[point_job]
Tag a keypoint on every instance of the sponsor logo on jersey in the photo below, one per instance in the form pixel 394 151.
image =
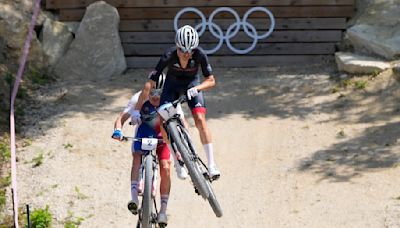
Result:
pixel 198 105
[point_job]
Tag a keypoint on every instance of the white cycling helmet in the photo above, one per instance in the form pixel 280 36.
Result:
pixel 187 38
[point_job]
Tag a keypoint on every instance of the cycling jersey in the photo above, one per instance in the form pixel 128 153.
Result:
pixel 179 79
pixel 150 128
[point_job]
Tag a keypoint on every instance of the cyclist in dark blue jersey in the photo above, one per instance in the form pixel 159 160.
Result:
pixel 183 63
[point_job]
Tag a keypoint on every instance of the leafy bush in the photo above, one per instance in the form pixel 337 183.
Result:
pixel 41 218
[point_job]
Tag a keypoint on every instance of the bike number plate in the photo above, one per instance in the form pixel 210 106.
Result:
pixel 149 143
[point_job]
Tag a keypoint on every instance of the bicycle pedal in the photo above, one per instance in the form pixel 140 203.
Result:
pixel 216 177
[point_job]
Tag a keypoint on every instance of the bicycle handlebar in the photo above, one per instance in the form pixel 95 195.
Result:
pixel 128 138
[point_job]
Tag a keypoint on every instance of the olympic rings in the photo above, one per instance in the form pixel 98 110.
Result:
pixel 232 30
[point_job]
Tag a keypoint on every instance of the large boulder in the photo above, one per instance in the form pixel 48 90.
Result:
pixel 55 38
pixel 377 29
pixel 15 17
pixel 96 49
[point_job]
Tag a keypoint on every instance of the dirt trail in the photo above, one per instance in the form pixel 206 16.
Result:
pixel 292 154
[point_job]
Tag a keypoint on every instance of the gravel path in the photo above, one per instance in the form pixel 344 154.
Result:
pixel 291 152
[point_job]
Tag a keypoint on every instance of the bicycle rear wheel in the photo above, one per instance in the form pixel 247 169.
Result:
pixel 147 201
pixel 178 137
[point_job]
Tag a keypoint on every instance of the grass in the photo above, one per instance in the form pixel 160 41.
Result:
pixel 360 84
pixel 68 145
pixel 5 151
pixel 38 160
pixel 71 221
pixel 38 77
pixel 41 218
pixel 80 195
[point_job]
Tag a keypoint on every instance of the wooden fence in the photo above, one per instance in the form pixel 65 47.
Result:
pixel 305 30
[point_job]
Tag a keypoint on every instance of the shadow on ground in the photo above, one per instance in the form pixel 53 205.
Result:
pixel 377 148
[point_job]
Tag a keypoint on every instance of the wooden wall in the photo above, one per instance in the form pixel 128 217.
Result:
pixel 305 30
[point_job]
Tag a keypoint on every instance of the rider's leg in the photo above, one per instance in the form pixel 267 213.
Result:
pixel 165 183
pixel 133 203
pixel 199 116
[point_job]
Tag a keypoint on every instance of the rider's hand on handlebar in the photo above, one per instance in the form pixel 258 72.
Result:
pixel 135 114
pixel 117 134
pixel 192 92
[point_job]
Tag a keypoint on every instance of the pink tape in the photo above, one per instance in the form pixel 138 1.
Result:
pixel 12 123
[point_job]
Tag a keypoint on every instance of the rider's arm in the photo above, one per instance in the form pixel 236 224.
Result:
pixel 209 80
pixel 145 94
pixel 119 122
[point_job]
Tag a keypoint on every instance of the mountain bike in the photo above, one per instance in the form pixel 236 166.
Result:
pixel 148 170
pixel 181 142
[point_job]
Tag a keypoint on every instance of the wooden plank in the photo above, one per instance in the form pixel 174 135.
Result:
pixel 276 36
pixel 280 23
pixel 240 61
pixel 72 4
pixel 261 49
pixel 169 13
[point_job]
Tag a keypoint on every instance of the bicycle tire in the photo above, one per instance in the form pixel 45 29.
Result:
pixel 147 201
pixel 194 173
pixel 212 200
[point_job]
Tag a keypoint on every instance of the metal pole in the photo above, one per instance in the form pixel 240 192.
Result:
pixel 28 216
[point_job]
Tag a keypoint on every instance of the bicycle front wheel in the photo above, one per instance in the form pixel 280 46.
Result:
pixel 178 137
pixel 148 182
pixel 212 199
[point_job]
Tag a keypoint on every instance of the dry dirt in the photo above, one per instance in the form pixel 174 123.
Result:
pixel 291 152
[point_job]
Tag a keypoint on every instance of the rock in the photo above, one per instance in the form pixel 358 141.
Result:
pixel 357 64
pixel 396 69
pixel 379 40
pixel 55 38
pixel 73 26
pixel 97 48
pixel 13 32
pixel 377 28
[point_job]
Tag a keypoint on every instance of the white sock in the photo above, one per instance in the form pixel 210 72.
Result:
pixel 164 203
pixel 208 148
pixel 134 193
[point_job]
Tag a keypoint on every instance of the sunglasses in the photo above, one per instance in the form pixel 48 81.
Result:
pixel 155 92
pixel 184 50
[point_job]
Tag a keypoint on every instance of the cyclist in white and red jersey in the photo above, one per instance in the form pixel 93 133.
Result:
pixel 183 62
pixel 148 125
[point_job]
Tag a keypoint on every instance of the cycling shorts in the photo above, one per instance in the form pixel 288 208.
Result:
pixel 173 88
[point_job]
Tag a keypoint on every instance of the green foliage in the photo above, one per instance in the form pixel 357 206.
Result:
pixel 346 82
pixel 6 181
pixel 360 84
pixel 38 77
pixel 68 145
pixel 38 160
pixel 2 198
pixel 71 222
pixel 335 89
pixel 5 152
pixel 10 78
pixel 80 195
pixel 41 218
